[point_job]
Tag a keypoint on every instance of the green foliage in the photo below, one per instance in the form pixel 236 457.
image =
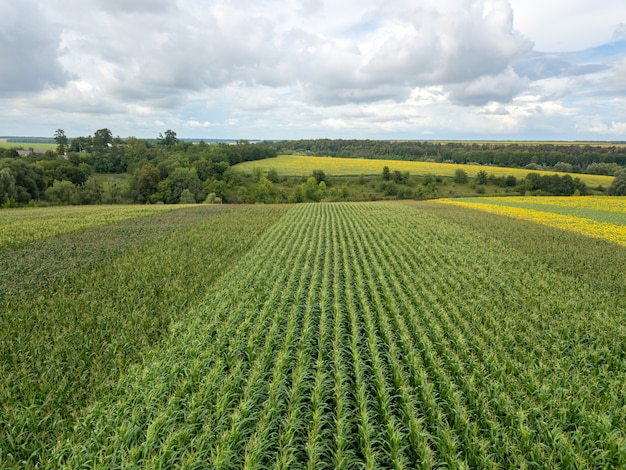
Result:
pixel 62 193
pixel 91 192
pixel 212 199
pixel 460 176
pixel 148 178
pixel 30 179
pixel 319 176
pixel 61 139
pixel 168 140
pixel 265 192
pixel 272 175
pixel 554 185
pixel 618 186
pixel 386 173
pixel 482 177
pixel 186 197
pixel 8 190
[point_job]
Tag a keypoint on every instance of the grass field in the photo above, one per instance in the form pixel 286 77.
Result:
pixel 296 165
pixel 27 145
pixel 376 335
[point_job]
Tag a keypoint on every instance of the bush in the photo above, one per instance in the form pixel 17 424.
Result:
pixel 618 186
pixel 63 193
pixel 460 176
pixel 186 197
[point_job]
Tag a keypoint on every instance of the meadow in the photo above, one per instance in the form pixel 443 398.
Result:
pixel 27 145
pixel 332 335
pixel 288 165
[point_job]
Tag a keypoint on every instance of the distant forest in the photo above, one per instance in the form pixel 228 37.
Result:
pixel 100 168
pixel 575 158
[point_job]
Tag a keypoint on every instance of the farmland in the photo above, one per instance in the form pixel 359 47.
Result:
pixel 346 335
pixel 303 166
pixel 601 217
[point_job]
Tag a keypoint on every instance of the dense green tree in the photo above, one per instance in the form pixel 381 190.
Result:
pixel 264 191
pixel 186 197
pixel 102 139
pixel 319 176
pixel 63 193
pixel 69 172
pixel 61 140
pixel 272 175
pixel 460 176
pixel 179 180
pixel 482 177
pixel 148 178
pixel 169 140
pixel 91 192
pixel 618 186
pixel 8 190
pixel 386 173
pixel 30 179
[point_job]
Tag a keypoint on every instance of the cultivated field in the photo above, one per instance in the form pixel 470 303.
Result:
pixel 600 217
pixel 347 335
pixel 290 165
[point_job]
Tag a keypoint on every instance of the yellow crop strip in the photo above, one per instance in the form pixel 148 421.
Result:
pixel 610 204
pixel 588 227
pixel 299 165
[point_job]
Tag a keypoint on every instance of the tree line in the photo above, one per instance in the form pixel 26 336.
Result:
pixel 572 158
pixel 164 169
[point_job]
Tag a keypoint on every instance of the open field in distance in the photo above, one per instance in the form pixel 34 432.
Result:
pixel 296 165
pixel 27 145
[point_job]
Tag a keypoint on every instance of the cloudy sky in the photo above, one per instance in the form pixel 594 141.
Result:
pixel 291 69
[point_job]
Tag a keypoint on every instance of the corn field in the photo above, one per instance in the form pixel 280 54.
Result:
pixel 367 335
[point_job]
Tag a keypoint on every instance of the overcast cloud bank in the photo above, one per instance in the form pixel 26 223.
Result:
pixel 309 68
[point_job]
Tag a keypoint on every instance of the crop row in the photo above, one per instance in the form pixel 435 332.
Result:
pixel 376 336
pixel 64 342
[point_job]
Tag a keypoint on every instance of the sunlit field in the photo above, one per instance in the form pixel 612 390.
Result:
pixel 296 165
pixel 600 217
pixel 19 227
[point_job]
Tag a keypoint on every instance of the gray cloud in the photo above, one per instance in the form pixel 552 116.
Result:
pixel 500 88
pixel 29 49
pixel 143 6
pixel 538 65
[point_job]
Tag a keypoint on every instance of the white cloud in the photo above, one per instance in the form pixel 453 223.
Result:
pixel 311 67
pixel 197 124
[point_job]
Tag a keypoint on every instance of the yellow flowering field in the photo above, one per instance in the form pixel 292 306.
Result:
pixel 299 165
pixel 19 227
pixel 549 211
pixel 604 203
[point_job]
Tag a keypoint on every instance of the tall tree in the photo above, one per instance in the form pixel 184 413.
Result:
pixel 61 140
pixel 102 138
pixel 169 140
